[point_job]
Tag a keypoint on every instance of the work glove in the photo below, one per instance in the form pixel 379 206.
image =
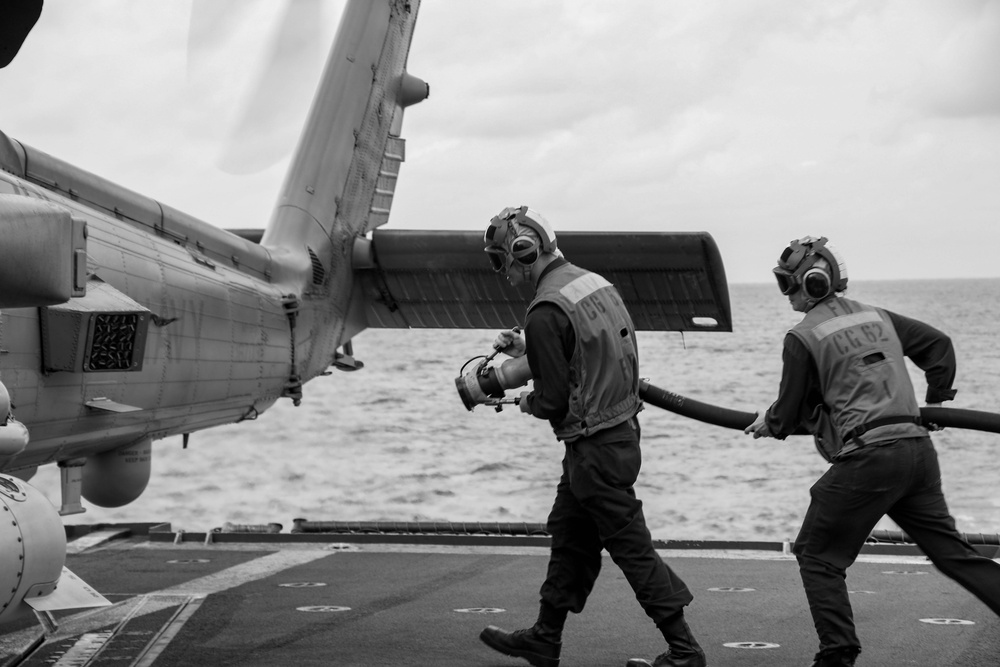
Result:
pixel 510 342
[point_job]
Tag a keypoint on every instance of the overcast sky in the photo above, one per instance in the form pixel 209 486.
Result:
pixel 873 122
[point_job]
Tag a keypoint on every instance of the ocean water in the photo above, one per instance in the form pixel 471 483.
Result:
pixel 393 442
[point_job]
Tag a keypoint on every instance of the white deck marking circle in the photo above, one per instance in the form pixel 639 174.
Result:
pixel 752 645
pixel 237 575
pixel 302 584
pixel 947 621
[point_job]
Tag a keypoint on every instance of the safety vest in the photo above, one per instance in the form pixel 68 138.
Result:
pixel 604 368
pixel 862 372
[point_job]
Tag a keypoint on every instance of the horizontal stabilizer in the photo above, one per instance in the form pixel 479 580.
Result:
pixel 442 279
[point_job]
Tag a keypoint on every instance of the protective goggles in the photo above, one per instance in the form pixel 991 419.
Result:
pixel 524 249
pixel 788 284
pixel 499 259
pixel 790 265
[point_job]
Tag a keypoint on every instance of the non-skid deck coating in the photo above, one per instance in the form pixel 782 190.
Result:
pixel 372 604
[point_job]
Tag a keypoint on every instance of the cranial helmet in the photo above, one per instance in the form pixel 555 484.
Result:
pixel 518 235
pixel 812 265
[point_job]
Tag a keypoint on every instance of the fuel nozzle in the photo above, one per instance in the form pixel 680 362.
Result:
pixel 486 384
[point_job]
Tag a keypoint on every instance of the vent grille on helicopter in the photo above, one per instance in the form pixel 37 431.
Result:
pixel 113 343
pixel 104 331
pixel 319 273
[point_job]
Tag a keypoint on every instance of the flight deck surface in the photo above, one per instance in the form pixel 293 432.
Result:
pixel 399 600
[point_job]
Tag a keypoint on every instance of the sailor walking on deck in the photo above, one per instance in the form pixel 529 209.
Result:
pixel 584 363
pixel 845 379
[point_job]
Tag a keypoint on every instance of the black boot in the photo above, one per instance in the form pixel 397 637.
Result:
pixel 836 657
pixel 538 645
pixel 684 649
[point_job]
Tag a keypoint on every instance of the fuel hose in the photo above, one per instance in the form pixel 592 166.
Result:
pixel 976 420
pixel 688 407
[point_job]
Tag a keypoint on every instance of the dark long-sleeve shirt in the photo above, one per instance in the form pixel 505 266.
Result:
pixel 800 390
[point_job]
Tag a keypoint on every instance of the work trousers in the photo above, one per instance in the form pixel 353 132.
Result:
pixel 899 478
pixel 596 508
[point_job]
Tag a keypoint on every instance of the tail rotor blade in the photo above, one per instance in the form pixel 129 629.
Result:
pixel 267 128
pixel 253 66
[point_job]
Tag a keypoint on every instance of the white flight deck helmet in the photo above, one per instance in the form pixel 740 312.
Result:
pixel 812 265
pixel 518 235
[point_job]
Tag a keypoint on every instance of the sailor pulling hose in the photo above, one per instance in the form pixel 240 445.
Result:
pixel 844 379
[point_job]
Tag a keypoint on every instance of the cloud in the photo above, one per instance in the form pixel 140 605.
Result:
pixel 943 60
pixel 572 61
pixel 961 75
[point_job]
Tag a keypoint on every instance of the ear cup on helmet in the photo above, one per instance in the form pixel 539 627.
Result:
pixel 813 265
pixel 525 250
pixel 816 283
